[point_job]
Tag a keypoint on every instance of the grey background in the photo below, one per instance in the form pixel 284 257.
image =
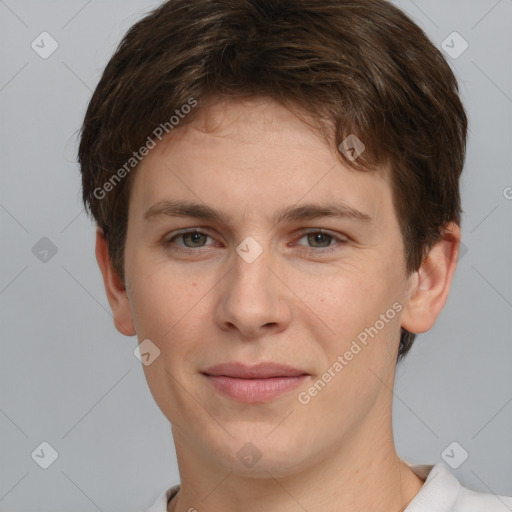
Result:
pixel 70 379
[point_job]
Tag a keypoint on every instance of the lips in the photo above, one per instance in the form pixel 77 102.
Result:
pixel 254 384
pixel 259 371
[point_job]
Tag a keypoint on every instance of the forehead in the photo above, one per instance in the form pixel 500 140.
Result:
pixel 248 156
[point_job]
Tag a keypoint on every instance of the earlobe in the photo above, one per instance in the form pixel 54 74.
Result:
pixel 431 283
pixel 114 287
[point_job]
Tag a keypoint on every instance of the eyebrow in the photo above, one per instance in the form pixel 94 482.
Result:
pixel 339 210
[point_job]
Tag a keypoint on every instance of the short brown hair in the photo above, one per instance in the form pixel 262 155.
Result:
pixel 362 65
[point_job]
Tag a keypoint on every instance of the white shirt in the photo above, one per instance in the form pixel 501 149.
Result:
pixel 441 492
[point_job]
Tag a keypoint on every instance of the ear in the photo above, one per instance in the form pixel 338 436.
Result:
pixel 114 286
pixel 430 284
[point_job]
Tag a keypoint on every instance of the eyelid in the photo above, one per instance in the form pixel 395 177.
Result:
pixel 338 236
pixel 340 239
pixel 167 240
pixel 305 231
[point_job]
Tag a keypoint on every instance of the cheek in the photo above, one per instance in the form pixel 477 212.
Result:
pixel 348 306
pixel 342 298
pixel 160 300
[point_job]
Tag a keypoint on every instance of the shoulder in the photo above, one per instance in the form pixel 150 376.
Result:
pixel 442 492
pixel 471 501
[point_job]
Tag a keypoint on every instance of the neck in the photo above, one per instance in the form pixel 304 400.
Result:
pixel 357 475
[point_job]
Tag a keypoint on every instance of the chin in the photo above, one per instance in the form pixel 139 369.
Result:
pixel 259 456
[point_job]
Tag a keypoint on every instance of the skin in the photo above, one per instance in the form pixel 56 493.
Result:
pixel 295 304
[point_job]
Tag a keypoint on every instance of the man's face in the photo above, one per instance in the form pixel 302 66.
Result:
pixel 308 300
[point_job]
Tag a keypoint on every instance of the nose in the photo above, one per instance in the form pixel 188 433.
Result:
pixel 253 297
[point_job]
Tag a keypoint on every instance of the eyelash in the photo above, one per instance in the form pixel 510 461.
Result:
pixel 323 250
